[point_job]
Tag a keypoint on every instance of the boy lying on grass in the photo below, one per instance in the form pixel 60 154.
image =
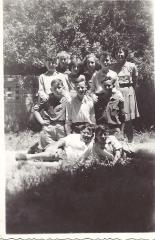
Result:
pixel 69 148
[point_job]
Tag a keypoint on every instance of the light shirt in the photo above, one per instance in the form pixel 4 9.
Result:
pixel 99 76
pixel 80 111
pixel 74 146
pixel 45 83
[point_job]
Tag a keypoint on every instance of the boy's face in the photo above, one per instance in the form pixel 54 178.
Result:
pixel 86 135
pixel 108 85
pixel 51 65
pixel 81 89
pixel 101 139
pixel 91 63
pixel 57 89
pixel 105 61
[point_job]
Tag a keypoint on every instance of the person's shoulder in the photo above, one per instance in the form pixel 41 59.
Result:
pixel 73 137
pixel 111 73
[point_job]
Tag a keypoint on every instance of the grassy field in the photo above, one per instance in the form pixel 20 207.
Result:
pixel 46 198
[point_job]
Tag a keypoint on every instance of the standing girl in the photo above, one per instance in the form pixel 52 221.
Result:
pixel 127 76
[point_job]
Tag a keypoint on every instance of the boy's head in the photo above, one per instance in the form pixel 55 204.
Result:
pixel 57 87
pixel 105 59
pixel 109 83
pixel 51 64
pixel 80 86
pixel 63 59
pixel 87 133
pixel 101 134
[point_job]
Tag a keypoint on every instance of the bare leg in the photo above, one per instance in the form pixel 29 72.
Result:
pixel 43 156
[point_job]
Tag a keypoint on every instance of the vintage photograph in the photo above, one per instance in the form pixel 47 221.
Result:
pixel 79 116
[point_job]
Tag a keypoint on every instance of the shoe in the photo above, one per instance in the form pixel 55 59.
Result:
pixel 20 156
pixel 35 149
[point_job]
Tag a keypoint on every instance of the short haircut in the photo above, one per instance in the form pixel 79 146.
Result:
pixel 90 127
pixel 101 129
pixel 80 78
pixel 110 79
pixel 56 82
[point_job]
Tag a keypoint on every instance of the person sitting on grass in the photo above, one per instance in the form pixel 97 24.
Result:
pixel 106 149
pixel 50 113
pixel 69 148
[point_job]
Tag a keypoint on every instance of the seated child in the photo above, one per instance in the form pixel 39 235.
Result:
pixel 53 110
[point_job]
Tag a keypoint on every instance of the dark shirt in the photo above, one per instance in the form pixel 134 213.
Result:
pixel 53 108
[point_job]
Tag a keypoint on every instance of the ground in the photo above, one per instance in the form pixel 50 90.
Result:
pixel 42 198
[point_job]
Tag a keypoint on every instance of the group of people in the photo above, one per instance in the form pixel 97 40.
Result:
pixel 85 107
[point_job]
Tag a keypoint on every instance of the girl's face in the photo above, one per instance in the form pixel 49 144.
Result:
pixel 81 89
pixel 91 64
pixel 120 56
pixel 86 135
pixel 51 66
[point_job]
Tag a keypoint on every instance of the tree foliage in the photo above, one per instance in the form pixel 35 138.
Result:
pixel 37 28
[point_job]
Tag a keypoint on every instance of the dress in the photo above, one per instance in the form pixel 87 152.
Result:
pixel 125 78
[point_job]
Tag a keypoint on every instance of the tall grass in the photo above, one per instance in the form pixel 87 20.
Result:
pixel 99 199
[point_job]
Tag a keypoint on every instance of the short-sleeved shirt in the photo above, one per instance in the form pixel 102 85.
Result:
pixel 108 107
pixel 53 108
pixel 45 83
pixel 98 76
pixel 80 111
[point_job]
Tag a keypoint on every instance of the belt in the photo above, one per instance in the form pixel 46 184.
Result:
pixel 125 85
pixel 61 122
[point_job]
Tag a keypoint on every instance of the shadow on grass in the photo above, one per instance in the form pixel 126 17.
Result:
pixel 101 199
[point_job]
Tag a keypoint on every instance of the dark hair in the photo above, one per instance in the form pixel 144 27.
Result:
pixel 116 50
pixel 104 54
pixel 101 129
pixel 51 59
pixel 75 62
pixel 90 127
